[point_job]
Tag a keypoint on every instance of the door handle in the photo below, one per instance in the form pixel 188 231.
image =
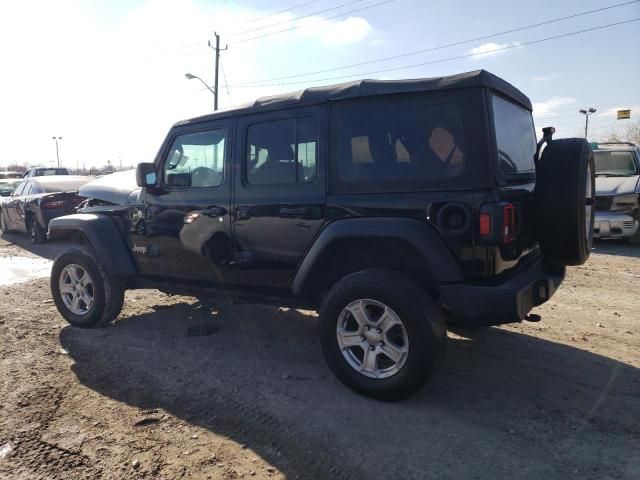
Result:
pixel 294 211
pixel 214 211
pixel 242 213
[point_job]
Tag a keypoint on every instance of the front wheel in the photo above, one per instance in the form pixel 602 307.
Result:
pixel 381 334
pixel 84 293
pixel 3 224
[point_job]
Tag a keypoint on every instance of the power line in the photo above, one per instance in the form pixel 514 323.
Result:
pixel 441 60
pixel 440 47
pixel 295 27
pixel 257 19
pixel 297 18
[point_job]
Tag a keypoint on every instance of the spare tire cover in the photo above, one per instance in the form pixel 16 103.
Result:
pixel 564 201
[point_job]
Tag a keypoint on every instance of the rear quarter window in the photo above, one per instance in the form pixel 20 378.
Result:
pixel 407 142
pixel 515 137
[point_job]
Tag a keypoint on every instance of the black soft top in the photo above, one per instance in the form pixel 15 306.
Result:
pixel 364 88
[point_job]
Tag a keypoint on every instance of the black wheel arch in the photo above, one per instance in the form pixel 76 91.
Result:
pixel 104 236
pixel 376 242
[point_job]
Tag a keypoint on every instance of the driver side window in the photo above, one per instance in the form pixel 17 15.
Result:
pixel 196 160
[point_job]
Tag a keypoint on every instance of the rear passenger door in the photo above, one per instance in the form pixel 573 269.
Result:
pixel 279 201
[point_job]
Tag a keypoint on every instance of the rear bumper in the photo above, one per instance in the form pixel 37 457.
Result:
pixel 614 225
pixel 506 302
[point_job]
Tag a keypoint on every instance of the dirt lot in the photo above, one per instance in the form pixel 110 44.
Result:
pixel 178 389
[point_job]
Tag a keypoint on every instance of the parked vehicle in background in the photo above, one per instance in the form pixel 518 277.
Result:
pixel 8 175
pixel 617 191
pixel 45 171
pixel 8 185
pixel 391 207
pixel 36 201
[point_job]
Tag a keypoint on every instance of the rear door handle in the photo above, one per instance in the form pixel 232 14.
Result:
pixel 214 211
pixel 292 211
pixel 242 213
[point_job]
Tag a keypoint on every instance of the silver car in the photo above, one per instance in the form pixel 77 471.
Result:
pixel 617 191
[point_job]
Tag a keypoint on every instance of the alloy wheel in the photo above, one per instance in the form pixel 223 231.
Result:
pixel 76 289
pixel 372 338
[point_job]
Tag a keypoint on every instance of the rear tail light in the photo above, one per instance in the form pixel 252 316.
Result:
pixel 53 204
pixel 498 223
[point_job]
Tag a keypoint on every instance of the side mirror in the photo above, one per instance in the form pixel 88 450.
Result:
pixel 146 175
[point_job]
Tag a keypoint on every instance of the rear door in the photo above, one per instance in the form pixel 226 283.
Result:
pixel 280 193
pixel 21 207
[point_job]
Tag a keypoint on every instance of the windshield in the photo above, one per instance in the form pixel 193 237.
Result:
pixel 614 164
pixel 8 186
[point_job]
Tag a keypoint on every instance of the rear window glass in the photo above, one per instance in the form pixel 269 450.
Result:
pixel 614 163
pixel 42 172
pixel 397 146
pixel 515 136
pixel 67 186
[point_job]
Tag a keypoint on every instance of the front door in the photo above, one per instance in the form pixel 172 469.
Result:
pixel 279 203
pixel 187 215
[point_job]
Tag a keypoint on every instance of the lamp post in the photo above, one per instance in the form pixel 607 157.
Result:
pixel 586 114
pixel 57 151
pixel 191 77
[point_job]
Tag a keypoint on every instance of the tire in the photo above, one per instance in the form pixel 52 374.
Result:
pixel 421 335
pixel 3 224
pixel 106 292
pixel 564 202
pixel 36 232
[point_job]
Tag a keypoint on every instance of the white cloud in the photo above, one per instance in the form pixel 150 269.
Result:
pixel 492 48
pixel 112 85
pixel 351 30
pixel 545 78
pixel 613 112
pixel 551 105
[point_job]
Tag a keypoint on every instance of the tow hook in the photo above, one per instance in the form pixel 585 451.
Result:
pixel 532 317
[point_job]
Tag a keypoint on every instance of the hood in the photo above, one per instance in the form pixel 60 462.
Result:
pixel 115 188
pixel 617 185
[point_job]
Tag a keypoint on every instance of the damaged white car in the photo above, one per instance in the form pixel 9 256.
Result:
pixel 617 191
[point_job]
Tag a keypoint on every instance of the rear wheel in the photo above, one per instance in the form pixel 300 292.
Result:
pixel 381 334
pixel 564 201
pixel 85 294
pixel 36 232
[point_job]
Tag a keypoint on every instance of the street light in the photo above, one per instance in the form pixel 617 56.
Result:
pixel 191 77
pixel 57 151
pixel 586 114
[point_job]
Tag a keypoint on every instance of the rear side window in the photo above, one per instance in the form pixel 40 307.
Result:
pixel 398 143
pixel 282 152
pixel 515 136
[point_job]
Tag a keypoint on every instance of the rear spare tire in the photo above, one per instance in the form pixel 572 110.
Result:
pixel 564 201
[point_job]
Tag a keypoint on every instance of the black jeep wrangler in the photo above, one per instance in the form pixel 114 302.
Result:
pixel 393 208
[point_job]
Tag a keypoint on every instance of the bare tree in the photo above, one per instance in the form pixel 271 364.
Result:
pixel 628 133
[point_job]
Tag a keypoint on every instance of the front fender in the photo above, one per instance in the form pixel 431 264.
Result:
pixel 103 235
pixel 422 236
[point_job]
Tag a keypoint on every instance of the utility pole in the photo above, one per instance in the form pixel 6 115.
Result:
pixel 586 113
pixel 217 64
pixel 57 151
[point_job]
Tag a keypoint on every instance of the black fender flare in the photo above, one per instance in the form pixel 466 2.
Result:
pixel 423 237
pixel 103 235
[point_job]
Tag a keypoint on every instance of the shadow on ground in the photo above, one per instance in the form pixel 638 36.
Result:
pixel 48 250
pixel 504 402
pixel 616 247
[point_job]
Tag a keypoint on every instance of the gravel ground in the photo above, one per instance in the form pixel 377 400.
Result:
pixel 175 388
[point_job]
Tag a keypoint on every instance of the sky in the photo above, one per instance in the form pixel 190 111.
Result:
pixel 109 76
